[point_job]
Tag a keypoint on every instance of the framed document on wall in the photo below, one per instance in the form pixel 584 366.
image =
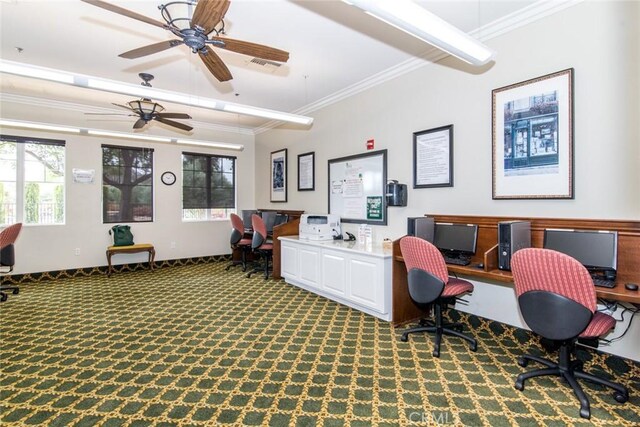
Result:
pixel 306 172
pixel 433 158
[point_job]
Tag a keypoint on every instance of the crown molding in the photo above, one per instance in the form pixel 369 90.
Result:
pixel 508 23
pixel 83 108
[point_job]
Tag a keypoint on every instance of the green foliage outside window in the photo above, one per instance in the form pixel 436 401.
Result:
pixel 31 201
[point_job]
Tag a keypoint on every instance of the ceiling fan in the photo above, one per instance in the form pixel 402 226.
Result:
pixel 147 110
pixel 203 28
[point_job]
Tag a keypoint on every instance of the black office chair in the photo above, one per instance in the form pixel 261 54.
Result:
pixel 239 242
pixel 557 300
pixel 430 285
pixel 261 246
pixel 8 237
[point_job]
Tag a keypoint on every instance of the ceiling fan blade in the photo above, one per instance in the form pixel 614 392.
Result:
pixel 174 115
pixel 174 124
pixel 122 106
pixel 215 64
pixel 208 13
pixel 152 48
pixel 252 49
pixel 107 114
pixel 139 124
pixel 125 12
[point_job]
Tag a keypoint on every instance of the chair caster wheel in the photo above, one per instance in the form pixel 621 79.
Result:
pixel 523 362
pixel 16 291
pixel 3 297
pixel 585 413
pixel 519 385
pixel 621 397
pixel 436 353
pixel 404 338
pixel 474 346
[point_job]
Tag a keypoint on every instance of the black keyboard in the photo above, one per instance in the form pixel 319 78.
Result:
pixel 603 283
pixel 457 261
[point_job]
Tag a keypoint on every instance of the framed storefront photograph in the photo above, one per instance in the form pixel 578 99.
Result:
pixel 433 157
pixel 306 172
pixel 279 176
pixel 532 127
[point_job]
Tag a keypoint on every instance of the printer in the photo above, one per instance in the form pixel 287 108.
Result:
pixel 319 226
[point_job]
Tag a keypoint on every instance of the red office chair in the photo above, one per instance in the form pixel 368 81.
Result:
pixel 261 246
pixel 557 300
pixel 8 237
pixel 430 284
pixel 238 241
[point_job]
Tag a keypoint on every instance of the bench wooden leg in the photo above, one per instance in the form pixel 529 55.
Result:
pixel 109 268
pixel 152 257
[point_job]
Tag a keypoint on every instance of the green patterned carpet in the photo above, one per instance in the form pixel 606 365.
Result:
pixel 196 345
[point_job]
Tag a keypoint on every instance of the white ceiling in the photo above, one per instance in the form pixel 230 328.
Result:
pixel 332 46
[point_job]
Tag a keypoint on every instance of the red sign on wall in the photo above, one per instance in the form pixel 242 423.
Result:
pixel 370 144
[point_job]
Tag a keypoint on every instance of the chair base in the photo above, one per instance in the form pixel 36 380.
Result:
pixel 3 294
pixel 440 329
pixel 264 267
pixel 570 371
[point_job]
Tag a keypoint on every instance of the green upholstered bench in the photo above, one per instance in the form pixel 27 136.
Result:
pixel 131 249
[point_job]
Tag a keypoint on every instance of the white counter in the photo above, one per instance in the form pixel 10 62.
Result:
pixel 347 272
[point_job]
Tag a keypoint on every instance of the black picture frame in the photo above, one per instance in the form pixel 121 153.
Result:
pixel 433 157
pixel 307 171
pixel 279 180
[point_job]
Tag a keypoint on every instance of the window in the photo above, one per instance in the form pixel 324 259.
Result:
pixel 127 184
pixel 208 186
pixel 31 180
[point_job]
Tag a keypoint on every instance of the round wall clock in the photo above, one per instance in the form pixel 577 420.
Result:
pixel 168 178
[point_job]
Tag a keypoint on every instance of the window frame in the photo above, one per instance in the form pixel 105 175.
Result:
pixel 226 211
pixel 21 181
pixel 105 219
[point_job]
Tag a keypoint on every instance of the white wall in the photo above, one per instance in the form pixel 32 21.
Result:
pixel 51 247
pixel 600 40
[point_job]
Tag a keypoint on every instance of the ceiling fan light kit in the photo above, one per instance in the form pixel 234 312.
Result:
pixel 422 24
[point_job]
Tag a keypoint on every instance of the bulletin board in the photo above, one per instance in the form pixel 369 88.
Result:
pixel 357 188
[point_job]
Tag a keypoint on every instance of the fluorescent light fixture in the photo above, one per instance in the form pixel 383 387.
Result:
pixel 128 135
pixel 90 82
pixel 124 135
pixel 269 114
pixel 224 145
pixel 38 126
pixel 422 24
pixel 35 72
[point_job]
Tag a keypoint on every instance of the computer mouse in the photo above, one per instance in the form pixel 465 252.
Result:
pixel 631 286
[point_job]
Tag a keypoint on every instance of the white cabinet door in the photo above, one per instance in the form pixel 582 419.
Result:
pixel 334 273
pixel 366 279
pixel 289 261
pixel 309 266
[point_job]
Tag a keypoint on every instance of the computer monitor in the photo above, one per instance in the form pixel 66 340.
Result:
pixel 456 239
pixel 596 250
pixel 246 218
pixel 269 218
